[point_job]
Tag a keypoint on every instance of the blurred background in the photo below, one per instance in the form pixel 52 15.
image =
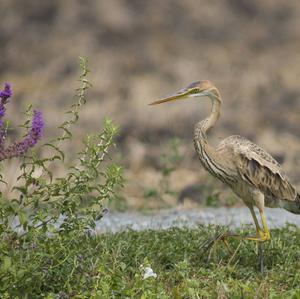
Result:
pixel 139 51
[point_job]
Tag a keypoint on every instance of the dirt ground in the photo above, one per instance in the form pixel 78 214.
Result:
pixel 141 50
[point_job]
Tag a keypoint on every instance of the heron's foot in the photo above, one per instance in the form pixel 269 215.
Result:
pixel 261 236
pixel 223 237
pixel 230 235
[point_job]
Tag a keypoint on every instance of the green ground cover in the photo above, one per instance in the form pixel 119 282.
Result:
pixel 78 265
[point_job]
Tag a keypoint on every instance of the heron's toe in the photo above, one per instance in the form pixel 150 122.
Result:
pixel 261 236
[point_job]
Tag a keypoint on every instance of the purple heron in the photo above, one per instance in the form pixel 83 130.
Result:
pixel 253 174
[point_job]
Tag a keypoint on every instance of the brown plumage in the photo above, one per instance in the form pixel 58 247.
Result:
pixel 253 174
pixel 259 169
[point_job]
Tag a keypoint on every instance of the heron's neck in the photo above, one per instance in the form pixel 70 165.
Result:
pixel 208 155
pixel 205 125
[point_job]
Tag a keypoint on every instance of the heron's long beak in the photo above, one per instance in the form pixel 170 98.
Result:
pixel 173 97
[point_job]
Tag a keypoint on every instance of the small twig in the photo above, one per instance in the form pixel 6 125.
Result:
pixel 38 226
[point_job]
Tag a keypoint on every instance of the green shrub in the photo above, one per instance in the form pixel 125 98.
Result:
pixel 45 211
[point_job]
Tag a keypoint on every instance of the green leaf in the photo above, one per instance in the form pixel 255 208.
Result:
pixel 62 155
pixel 23 218
pixel 6 264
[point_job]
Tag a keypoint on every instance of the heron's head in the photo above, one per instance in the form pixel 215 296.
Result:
pixel 196 89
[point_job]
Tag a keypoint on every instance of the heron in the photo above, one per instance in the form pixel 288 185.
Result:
pixel 250 171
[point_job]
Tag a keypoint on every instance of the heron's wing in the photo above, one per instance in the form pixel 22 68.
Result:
pixel 258 168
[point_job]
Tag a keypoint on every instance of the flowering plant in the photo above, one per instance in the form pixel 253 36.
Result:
pixel 42 208
pixel 21 147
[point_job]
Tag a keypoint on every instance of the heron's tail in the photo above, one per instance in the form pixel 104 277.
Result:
pixel 293 206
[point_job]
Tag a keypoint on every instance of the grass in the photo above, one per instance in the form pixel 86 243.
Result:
pixel 110 266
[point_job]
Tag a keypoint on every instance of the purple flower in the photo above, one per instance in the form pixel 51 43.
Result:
pixel 2 110
pixel 37 128
pixel 20 148
pixel 6 93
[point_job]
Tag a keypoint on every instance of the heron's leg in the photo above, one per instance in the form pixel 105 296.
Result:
pixel 262 234
pixel 258 229
pixel 259 234
pixel 267 234
pixel 210 244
